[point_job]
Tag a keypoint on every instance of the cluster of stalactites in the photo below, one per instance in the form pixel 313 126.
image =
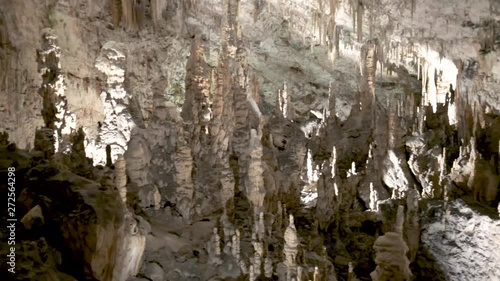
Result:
pixel 157 8
pixel 133 12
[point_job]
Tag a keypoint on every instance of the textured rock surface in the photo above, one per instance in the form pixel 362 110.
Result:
pixel 459 237
pixel 261 140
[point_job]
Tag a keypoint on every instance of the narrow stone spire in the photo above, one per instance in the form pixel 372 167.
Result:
pixel 268 267
pixel 373 198
pixel 291 244
pixel 400 219
pixel 316 274
pixel 121 177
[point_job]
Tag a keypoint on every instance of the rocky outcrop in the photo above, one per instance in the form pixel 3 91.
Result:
pixel 460 238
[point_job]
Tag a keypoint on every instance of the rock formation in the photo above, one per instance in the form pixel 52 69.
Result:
pixel 229 140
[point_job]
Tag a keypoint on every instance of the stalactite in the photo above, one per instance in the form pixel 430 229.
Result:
pixel 129 15
pixel 116 12
pixel 321 30
pixel 431 88
pixel 413 7
pixel 369 57
pixel 360 14
pixel 392 123
pixel 353 13
pixel 421 110
pixel 371 23
pixel 257 9
pixel 157 8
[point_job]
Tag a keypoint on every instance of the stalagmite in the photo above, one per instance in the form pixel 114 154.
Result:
pixel 299 273
pixel 400 219
pixel 316 274
pixel 197 94
pixel 215 247
pixel 392 123
pixel 116 128
pixel 282 102
pixel 370 151
pixel 418 68
pixel 262 228
pixel 279 215
pixel 255 187
pixel 257 257
pixel 121 178
pixel 236 245
pixel 352 171
pixel 268 267
pixel 351 276
pixel 291 244
pixel 373 198
pixel 332 102
pixel 55 113
pixel 391 251
pixel 251 273
pixel 442 167
pixel 334 162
